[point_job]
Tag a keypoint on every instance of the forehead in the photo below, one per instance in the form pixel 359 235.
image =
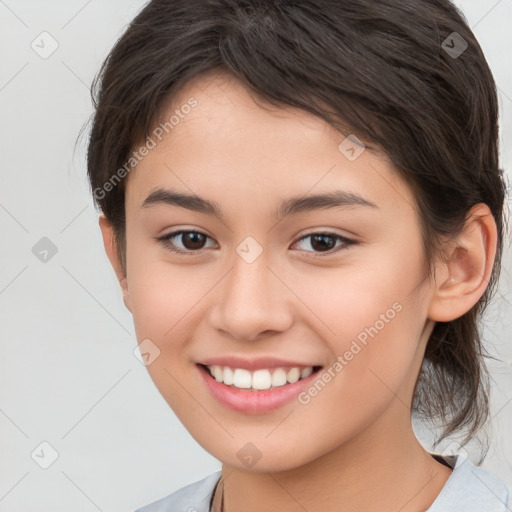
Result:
pixel 219 139
pixel 227 112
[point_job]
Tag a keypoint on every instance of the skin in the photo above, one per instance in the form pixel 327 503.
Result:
pixel 353 443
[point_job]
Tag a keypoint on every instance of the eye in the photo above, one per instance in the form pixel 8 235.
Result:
pixel 191 241
pixel 326 242
pixel 194 242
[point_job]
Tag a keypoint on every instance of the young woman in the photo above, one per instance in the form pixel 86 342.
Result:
pixel 303 204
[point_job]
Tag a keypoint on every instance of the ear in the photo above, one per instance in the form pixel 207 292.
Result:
pixel 462 277
pixel 109 242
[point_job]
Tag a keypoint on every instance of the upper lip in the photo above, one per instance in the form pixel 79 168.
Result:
pixel 257 363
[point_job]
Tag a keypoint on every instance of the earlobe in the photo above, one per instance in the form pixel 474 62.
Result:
pixel 109 243
pixel 465 273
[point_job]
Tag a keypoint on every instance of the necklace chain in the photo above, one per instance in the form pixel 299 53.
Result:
pixel 221 498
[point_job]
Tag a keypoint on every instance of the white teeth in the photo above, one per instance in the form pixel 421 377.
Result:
pixel 228 376
pixel 293 375
pixel 279 377
pixel 242 378
pixel 217 373
pixel 259 379
pixel 306 372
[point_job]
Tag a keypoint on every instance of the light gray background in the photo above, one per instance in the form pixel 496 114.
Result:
pixel 68 373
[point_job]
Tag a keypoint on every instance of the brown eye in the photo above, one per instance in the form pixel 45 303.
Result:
pixel 325 242
pixel 184 241
pixel 192 240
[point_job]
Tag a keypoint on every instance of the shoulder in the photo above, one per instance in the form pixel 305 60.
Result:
pixel 471 489
pixel 194 497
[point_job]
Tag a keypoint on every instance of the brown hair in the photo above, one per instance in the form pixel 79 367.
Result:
pixel 406 75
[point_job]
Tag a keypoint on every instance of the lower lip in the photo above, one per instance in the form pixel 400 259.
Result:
pixel 254 402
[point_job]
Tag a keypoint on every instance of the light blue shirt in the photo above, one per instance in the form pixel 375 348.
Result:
pixel 468 489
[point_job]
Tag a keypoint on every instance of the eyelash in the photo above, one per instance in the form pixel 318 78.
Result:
pixel 165 240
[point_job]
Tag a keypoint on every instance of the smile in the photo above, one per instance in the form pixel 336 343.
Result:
pixel 259 391
pixel 259 380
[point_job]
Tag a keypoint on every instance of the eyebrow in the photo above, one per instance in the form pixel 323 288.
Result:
pixel 336 198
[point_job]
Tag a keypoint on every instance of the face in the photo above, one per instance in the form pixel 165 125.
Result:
pixel 267 277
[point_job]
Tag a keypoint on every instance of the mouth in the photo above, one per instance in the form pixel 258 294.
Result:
pixel 257 391
pixel 263 379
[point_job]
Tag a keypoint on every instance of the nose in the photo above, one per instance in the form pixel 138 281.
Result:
pixel 251 302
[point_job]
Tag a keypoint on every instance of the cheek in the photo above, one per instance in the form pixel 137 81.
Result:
pixel 366 294
pixel 166 303
pixel 359 385
pixel 372 323
pixel 163 296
